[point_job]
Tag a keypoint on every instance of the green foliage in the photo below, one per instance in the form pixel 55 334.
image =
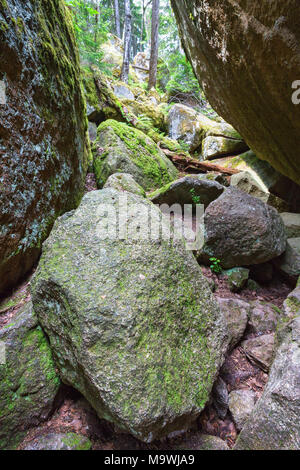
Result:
pixel 215 265
pixel 91 29
pixel 196 199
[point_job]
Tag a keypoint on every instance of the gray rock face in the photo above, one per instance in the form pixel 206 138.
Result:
pixel 236 313
pixel 123 92
pixel 241 404
pixel 188 190
pixel 289 262
pixel 260 350
pixel 124 182
pixel 263 317
pixel 254 186
pixel 216 146
pixel 292 224
pixel 242 230
pixel 274 423
pixel 236 40
pixel 43 129
pixel 28 380
pixel 123 149
pixel 129 312
pixel 59 441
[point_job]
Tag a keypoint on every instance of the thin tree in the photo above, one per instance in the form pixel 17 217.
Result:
pixel 127 42
pixel 117 18
pixel 145 5
pixel 154 45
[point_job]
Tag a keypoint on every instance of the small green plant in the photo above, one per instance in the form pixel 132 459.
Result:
pixel 196 199
pixel 184 146
pixel 215 265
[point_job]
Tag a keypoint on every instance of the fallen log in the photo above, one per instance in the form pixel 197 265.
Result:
pixel 191 163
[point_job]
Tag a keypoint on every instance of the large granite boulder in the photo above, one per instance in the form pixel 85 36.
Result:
pixel 124 149
pixel 127 317
pixel 274 423
pixel 43 129
pixel 231 47
pixel 28 380
pixel 241 230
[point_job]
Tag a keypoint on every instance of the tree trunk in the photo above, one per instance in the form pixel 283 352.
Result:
pixel 117 18
pixel 144 9
pixel 127 42
pixel 154 44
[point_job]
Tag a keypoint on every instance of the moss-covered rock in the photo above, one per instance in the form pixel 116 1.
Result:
pixel 124 149
pixel 43 129
pixel 186 124
pixel 236 278
pixel 214 146
pixel 147 112
pixel 59 441
pixel 28 380
pixel 127 318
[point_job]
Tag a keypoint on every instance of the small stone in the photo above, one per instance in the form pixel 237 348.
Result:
pixel 253 285
pixel 203 442
pixel 236 278
pixel 236 313
pixel 241 404
pixel 263 317
pixel 260 350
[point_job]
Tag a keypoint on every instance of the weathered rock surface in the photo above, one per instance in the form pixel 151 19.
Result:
pixel 292 224
pixel 289 262
pixel 59 441
pixel 132 312
pixel 263 317
pixel 124 182
pixel 186 124
pixel 188 190
pixel 230 45
pixel 269 179
pixel 241 404
pixel 236 313
pixel 253 186
pixel 274 422
pixel 216 146
pixel 241 230
pixel 260 350
pixel 28 380
pixel 120 148
pixel 43 129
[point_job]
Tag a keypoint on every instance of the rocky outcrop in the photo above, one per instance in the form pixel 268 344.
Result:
pixel 231 47
pixel 274 422
pixel 124 149
pixel 241 230
pixel 201 133
pixel 43 129
pixel 122 311
pixel 28 380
